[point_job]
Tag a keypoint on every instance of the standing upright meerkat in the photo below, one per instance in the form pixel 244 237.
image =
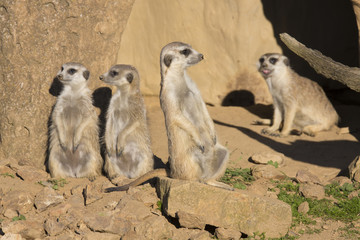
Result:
pixel 74 149
pixel 298 102
pixel 127 139
pixel 194 152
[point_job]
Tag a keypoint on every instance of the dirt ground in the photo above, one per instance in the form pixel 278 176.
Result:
pixel 326 155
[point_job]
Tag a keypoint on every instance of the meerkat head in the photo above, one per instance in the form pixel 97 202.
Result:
pixel 179 55
pixel 73 74
pixel 271 63
pixel 122 75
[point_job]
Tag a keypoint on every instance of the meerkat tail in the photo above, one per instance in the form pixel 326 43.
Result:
pixel 161 172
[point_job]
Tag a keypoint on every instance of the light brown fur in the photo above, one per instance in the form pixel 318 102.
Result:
pixel 74 149
pixel 299 103
pixel 127 136
pixel 195 153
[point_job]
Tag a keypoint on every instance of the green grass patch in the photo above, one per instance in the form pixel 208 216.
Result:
pixel 237 177
pixel 275 164
pixel 18 218
pixel 344 209
pixel 7 175
pixel 55 183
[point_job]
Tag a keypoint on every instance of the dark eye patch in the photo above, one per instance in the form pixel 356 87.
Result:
pixel 186 52
pixel 114 73
pixel 129 77
pixel 261 60
pixel 62 68
pixel 273 60
pixel 71 71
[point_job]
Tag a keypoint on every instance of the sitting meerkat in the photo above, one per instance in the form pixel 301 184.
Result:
pixel 195 153
pixel 299 102
pixel 74 149
pixel 127 136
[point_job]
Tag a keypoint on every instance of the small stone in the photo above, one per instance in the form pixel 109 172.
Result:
pixel 203 235
pixel 91 194
pixel 77 190
pixel 189 220
pixel 19 201
pixel 266 157
pixel 341 180
pixel 47 197
pixel 354 194
pixel 312 191
pixel 227 234
pixel 30 173
pixel 10 213
pixel 28 229
pixel 267 172
pixel 11 236
pixel 304 176
pixel 130 209
pixel 108 222
pixel 354 169
pixel 304 207
pixel 53 226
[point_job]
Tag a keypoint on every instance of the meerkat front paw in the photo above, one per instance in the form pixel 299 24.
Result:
pixel 268 131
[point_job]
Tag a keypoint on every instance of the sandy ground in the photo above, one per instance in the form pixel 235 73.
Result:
pixel 326 155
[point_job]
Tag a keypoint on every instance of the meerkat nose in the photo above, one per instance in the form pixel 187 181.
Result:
pixel 201 56
pixel 101 77
pixel 60 76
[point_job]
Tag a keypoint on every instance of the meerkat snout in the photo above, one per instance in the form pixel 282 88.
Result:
pixel 101 77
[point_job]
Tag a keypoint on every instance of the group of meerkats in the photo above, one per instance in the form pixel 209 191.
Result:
pixel 194 151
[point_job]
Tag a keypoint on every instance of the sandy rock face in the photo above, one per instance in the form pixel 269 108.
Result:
pixel 236 210
pixel 220 30
pixel 36 39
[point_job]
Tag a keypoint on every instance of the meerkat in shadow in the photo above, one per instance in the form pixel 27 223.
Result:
pixel 299 103
pixel 127 139
pixel 194 151
pixel 74 149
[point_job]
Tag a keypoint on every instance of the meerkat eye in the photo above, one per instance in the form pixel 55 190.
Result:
pixel 273 60
pixel 186 52
pixel 129 77
pixel 114 73
pixel 261 60
pixel 71 71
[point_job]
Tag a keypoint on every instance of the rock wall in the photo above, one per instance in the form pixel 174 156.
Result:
pixel 37 37
pixel 232 35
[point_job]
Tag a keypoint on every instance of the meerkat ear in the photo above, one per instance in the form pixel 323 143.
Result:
pixel 286 62
pixel 86 74
pixel 167 60
pixel 130 77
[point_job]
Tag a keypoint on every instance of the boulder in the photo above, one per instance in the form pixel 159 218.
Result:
pixel 237 210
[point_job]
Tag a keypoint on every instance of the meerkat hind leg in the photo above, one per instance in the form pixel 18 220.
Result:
pixel 311 130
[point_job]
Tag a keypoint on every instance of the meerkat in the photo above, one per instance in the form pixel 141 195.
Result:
pixel 194 152
pixel 299 103
pixel 74 149
pixel 127 138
